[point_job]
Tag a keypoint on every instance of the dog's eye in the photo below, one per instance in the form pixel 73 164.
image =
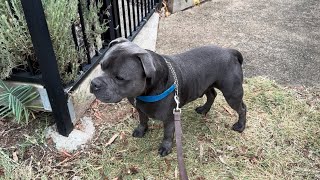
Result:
pixel 119 78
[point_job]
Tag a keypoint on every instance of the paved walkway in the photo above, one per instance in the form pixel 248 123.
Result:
pixel 278 38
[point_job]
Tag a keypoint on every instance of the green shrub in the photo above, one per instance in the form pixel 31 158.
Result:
pixel 15 40
pixel 60 15
pixel 92 25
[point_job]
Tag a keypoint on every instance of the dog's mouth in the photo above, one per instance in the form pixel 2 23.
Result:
pixel 104 99
pixel 108 99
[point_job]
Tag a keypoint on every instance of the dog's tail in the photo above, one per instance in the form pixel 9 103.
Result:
pixel 238 55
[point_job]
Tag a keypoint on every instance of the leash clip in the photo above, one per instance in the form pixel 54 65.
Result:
pixel 176 99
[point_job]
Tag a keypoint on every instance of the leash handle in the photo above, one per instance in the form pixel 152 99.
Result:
pixel 178 132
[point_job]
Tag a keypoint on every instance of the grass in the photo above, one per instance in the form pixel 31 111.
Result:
pixel 281 141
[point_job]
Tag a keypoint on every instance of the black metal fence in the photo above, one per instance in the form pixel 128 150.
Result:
pixel 125 19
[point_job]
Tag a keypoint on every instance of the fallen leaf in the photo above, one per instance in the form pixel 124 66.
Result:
pixel 243 149
pixel 111 140
pixel 133 170
pixel 228 110
pixel 168 163
pixel 122 135
pixel 96 115
pixel 80 127
pixel 76 178
pixel 196 2
pixel 176 173
pixel 253 160
pixel 230 148
pixel 65 153
pixel 15 156
pixel 222 160
pixel 1 172
pixel 49 141
pixel 201 152
pixel 259 153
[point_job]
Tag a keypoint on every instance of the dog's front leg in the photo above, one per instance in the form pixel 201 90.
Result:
pixel 142 127
pixel 166 145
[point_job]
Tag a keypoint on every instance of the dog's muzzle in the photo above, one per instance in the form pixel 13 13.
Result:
pixel 95 85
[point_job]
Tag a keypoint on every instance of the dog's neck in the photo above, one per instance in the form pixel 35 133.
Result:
pixel 162 80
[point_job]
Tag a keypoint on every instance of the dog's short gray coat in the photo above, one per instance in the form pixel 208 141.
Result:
pixel 130 71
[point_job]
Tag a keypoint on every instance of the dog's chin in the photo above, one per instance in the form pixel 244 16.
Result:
pixel 109 100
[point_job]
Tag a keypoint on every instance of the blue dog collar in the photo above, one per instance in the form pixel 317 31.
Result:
pixel 157 97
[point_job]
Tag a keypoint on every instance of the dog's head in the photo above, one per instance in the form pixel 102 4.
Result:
pixel 126 68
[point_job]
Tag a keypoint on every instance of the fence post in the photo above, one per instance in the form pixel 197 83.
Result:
pixel 43 48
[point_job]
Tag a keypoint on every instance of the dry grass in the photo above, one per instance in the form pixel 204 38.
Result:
pixel 282 141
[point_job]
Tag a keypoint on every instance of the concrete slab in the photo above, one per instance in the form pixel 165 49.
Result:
pixel 77 138
pixel 147 37
pixel 178 5
pixel 278 39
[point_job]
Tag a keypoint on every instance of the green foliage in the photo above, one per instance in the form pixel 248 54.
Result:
pixel 60 15
pixel 15 41
pixel 92 25
pixel 15 101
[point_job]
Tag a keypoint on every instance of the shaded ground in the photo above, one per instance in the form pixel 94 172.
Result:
pixel 279 39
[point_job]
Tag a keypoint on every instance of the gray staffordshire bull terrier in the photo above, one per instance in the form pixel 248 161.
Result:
pixel 130 71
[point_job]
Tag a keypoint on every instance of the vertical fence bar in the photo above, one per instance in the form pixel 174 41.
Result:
pixel 129 17
pixel 32 72
pixel 152 4
pixel 149 6
pixel 43 48
pixel 74 35
pixel 116 18
pixel 145 8
pixel 124 19
pixel 134 15
pixel 83 28
pixel 138 12
pixel 141 7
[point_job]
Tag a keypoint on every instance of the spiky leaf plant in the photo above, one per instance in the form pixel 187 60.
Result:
pixel 15 101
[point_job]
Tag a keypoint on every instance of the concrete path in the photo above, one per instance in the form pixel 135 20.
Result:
pixel 278 38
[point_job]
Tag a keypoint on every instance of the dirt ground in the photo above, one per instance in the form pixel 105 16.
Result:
pixel 279 39
pixel 281 141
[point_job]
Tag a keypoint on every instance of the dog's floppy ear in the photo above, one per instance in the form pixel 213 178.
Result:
pixel 116 41
pixel 147 63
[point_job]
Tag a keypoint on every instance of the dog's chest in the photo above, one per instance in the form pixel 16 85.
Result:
pixel 155 110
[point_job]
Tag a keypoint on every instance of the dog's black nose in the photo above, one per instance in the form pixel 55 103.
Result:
pixel 95 85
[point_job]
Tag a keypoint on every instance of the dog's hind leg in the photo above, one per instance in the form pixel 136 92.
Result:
pixel 235 101
pixel 211 95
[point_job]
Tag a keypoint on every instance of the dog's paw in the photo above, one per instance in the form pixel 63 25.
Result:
pixel 238 127
pixel 165 149
pixel 202 110
pixel 139 132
